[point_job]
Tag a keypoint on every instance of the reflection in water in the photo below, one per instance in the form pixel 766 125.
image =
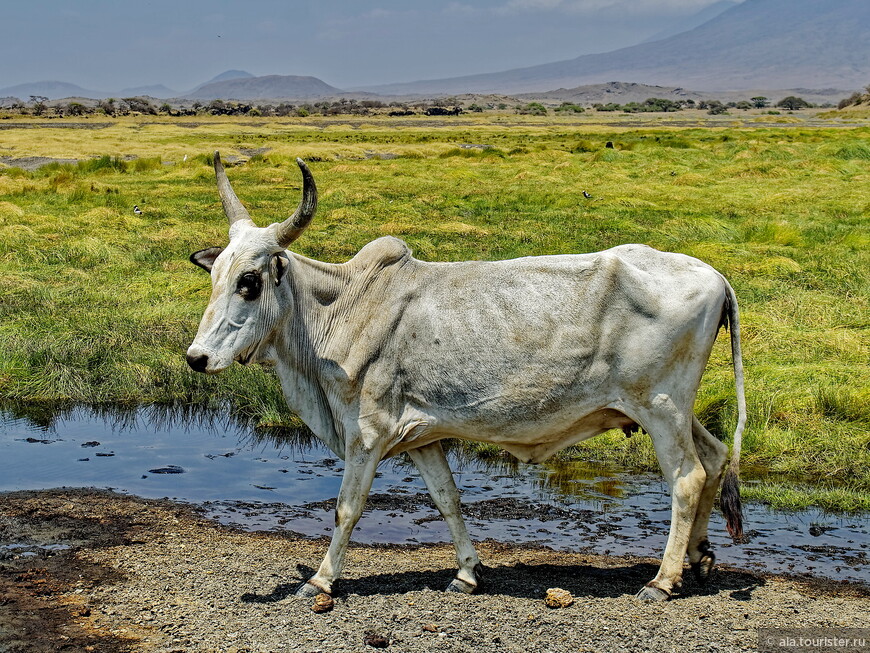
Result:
pixel 285 480
pixel 574 478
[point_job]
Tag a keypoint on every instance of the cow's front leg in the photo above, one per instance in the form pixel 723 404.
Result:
pixel 359 472
pixel 432 463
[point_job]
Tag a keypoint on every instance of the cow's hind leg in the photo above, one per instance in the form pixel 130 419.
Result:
pixel 432 463
pixel 359 473
pixel 714 456
pixel 671 432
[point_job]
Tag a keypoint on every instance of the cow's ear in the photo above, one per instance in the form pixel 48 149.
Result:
pixel 278 267
pixel 205 258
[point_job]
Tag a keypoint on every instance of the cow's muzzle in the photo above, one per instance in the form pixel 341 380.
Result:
pixel 198 362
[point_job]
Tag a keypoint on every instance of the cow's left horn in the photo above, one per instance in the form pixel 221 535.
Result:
pixel 233 208
pixel 292 227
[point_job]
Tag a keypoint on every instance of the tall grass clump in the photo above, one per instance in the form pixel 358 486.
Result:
pixel 843 404
pixel 103 163
pixel 858 150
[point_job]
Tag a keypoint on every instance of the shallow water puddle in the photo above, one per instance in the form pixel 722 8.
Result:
pixel 258 485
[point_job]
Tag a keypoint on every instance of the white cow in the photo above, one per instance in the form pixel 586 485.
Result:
pixel 387 354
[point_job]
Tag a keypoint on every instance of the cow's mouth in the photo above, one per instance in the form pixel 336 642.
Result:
pixel 245 356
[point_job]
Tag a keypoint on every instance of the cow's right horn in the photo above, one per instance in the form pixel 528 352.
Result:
pixel 292 227
pixel 233 208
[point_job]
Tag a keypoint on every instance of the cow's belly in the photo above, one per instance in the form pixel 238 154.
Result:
pixel 537 440
pixel 526 431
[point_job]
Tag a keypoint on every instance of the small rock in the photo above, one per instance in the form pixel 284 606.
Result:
pixel 558 598
pixel 169 469
pixel 376 641
pixel 323 603
pixel 430 628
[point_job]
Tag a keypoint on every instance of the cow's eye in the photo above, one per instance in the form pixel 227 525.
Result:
pixel 250 286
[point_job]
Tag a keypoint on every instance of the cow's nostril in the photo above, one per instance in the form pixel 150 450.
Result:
pixel 198 363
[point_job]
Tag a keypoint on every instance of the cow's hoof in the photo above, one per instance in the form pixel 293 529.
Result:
pixel 479 570
pixel 703 567
pixel 651 593
pixel 459 585
pixel 306 590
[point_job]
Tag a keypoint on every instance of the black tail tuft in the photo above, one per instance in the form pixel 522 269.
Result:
pixel 731 505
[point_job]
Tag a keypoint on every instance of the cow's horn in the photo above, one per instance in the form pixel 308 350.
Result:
pixel 233 208
pixel 292 227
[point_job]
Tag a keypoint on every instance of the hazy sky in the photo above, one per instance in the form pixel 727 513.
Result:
pixel 112 44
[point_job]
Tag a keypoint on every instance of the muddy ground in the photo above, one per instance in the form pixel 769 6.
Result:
pixel 95 571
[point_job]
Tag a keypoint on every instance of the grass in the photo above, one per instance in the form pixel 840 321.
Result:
pixel 783 496
pixel 98 304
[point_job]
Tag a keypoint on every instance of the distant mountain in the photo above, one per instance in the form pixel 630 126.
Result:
pixel 759 44
pixel 229 85
pixel 223 77
pixel 155 91
pixel 230 74
pixel 53 90
pixel 693 21
pixel 267 87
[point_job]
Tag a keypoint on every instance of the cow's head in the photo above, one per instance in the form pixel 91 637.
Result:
pixel 248 279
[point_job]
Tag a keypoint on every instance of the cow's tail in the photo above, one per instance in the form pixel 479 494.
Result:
pixel 730 497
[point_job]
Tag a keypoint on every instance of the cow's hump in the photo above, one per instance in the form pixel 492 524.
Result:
pixel 382 252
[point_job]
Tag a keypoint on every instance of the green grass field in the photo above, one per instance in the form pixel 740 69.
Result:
pixel 98 305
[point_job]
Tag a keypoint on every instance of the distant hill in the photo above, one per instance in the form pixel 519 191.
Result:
pixel 616 92
pixel 230 74
pixel 53 90
pixel 223 77
pixel 156 91
pixel 759 44
pixel 624 92
pixel 267 87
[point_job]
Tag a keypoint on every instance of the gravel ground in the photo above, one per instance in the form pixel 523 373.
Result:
pixel 145 575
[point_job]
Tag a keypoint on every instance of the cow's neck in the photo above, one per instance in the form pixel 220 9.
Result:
pixel 297 349
pixel 332 312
